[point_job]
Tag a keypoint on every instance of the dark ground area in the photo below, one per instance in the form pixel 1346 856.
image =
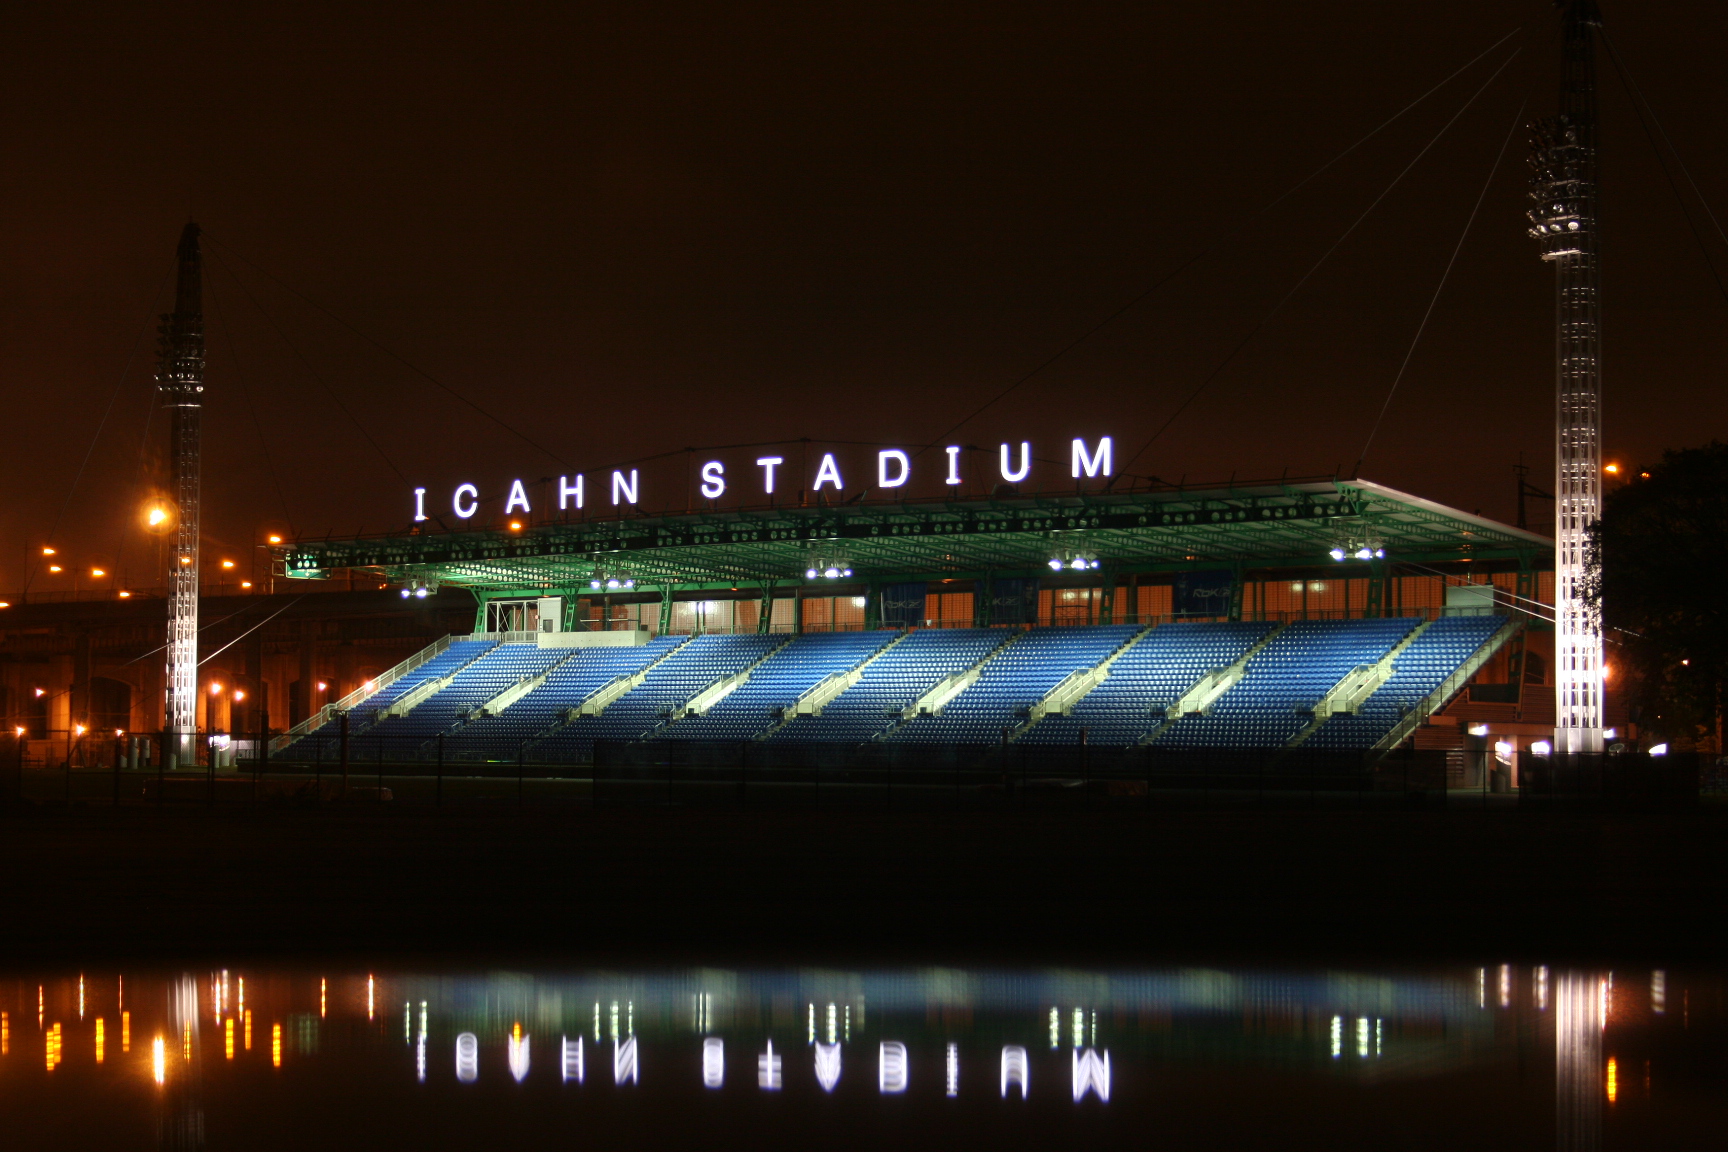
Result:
pixel 678 887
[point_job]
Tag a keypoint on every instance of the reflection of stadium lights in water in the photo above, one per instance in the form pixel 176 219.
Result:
pixel 159 1060
pixel 1015 1070
pixel 891 1067
pixel 713 1062
pixel 467 1058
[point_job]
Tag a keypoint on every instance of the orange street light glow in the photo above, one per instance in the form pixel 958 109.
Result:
pixel 245 583
pixel 53 567
pixel 125 595
pixel 156 517
pixel 275 539
pixel 215 689
pixel 47 551
pixel 1611 468
pixel 227 563
pixel 97 572
pixel 239 695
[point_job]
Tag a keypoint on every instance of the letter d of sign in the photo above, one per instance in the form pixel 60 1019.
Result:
pixel 891 1067
pixel 901 470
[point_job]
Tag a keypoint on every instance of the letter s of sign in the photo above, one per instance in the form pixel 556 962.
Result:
pixel 713 480
pixel 466 511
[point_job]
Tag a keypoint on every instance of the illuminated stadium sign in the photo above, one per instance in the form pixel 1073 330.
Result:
pixel 894 469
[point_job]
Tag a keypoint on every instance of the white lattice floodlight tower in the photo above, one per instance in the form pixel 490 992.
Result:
pixel 180 389
pixel 1563 223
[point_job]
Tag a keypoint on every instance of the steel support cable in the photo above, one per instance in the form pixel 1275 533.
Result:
pixel 95 438
pixel 1494 169
pixel 1639 105
pixel 1267 317
pixel 1210 249
pixel 316 375
pixel 253 629
pixel 1501 591
pixel 251 408
pixel 394 355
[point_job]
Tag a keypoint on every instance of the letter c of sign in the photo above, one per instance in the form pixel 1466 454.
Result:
pixel 466 511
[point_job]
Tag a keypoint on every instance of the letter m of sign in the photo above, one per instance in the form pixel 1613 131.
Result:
pixel 1091 1072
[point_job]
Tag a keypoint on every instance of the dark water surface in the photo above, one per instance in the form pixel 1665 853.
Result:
pixel 1497 1056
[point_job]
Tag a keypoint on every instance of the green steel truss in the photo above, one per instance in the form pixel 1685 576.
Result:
pixel 1263 526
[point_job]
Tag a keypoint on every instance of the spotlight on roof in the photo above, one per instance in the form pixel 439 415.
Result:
pixel 1056 563
pixel 1337 554
pixel 421 592
pixel 809 573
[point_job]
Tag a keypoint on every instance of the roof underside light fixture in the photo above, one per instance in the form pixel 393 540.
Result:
pixel 419 587
pixel 826 564
pixel 1371 548
pixel 1073 560
pixel 611 582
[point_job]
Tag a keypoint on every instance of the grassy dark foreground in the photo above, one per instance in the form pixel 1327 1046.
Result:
pixel 676 886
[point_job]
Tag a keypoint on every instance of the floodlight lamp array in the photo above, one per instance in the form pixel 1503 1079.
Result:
pixel 611 582
pixel 827 565
pixel 1071 560
pixel 1370 549
pixel 419 587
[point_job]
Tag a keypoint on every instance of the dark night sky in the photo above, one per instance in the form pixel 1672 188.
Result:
pixel 628 229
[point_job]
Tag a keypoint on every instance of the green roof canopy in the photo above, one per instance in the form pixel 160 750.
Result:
pixel 1263 525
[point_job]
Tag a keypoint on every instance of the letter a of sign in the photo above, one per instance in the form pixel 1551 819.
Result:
pixel 518 1057
pixel 1014 1069
pixel 572 1059
pixel 827 1065
pixel 891 1067
pixel 624 1062
pixel 1091 1072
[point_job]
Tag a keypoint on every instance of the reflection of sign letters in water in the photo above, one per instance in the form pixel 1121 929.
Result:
pixel 467 1058
pixel 891 1067
pixel 518 1053
pixel 572 1063
pixel 953 1069
pixel 713 1062
pixel 1014 1070
pixel 624 1060
pixel 768 1070
pixel 1091 1072
pixel 827 1065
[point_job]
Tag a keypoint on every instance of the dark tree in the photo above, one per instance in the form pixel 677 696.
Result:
pixel 1659 579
